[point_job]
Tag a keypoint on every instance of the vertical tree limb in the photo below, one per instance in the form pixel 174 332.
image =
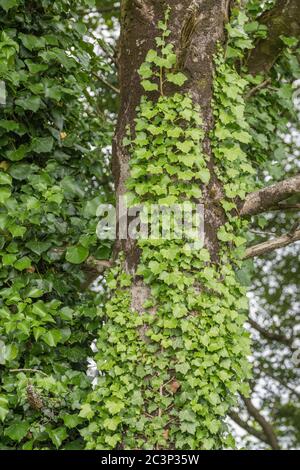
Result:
pixel 265 425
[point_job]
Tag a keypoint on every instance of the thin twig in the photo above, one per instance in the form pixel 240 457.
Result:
pixel 111 9
pixel 280 338
pixel 257 88
pixel 106 83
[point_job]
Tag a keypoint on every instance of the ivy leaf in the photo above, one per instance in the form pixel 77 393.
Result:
pixel 42 144
pixel 113 440
pixel 77 254
pixel 145 71
pixel 23 263
pixel 207 444
pixel 223 236
pixel 149 86
pixel 9 125
pixel 35 68
pixel 20 171
pixel 213 398
pixel 183 368
pixel 242 136
pixel 8 353
pixel 222 133
pixel 151 56
pixel 57 436
pixel 71 421
pixel 177 78
pixel 38 247
pixel 187 415
pixel 18 154
pixel 66 313
pixel 185 146
pixel 114 406
pixel 32 42
pixel 112 423
pixel 34 293
pixel 175 132
pixel 86 411
pixel 155 267
pixel 289 41
pixel 17 431
pixel 5 194
pixel 8 4
pixel 3 408
pixel 52 337
pixel 9 259
pixel 188 427
pixel 204 175
pixel 214 426
pixel 5 178
pixel 31 103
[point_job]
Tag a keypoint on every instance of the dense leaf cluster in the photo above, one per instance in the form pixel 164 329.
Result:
pixel 51 182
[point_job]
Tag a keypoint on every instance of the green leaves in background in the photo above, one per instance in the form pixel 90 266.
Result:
pixel 53 175
pixel 77 254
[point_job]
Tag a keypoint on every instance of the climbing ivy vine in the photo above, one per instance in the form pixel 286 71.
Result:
pixel 169 375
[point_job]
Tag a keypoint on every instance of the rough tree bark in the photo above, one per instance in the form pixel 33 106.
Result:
pixel 269 198
pixel 204 20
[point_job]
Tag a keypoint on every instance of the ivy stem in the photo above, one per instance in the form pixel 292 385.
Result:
pixel 161 81
pixel 161 394
pixel 29 370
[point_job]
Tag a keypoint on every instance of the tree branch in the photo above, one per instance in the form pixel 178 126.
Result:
pixel 282 20
pixel 98 265
pixel 109 9
pixel 257 88
pixel 244 425
pixel 107 84
pixel 267 198
pixel 281 338
pixel 271 245
pixel 286 207
pixel 265 425
pixel 93 268
pixel 281 382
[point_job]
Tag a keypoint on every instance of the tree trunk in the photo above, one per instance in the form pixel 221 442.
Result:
pixel 172 365
pixel 196 27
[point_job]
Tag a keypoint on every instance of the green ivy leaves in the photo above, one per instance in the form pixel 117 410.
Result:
pixel 159 63
pixel 8 4
pixel 77 254
pixel 48 206
pixel 176 78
